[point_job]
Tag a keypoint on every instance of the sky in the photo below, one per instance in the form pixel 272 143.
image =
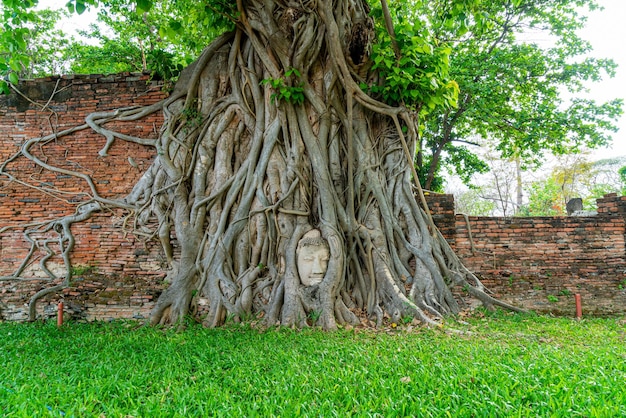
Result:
pixel 605 29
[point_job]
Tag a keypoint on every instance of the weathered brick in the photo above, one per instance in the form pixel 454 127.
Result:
pixel 587 255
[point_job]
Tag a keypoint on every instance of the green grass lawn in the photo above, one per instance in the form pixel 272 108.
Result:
pixel 509 366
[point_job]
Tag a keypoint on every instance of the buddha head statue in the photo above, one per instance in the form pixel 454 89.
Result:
pixel 312 258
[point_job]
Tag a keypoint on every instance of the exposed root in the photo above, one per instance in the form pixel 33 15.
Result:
pixel 66 243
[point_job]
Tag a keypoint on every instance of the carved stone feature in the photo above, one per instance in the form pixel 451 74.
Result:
pixel 574 205
pixel 312 258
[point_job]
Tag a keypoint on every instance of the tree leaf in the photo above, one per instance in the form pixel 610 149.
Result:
pixel 143 6
pixel 4 87
pixel 13 78
pixel 80 7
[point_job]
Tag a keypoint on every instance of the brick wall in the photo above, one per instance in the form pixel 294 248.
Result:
pixel 113 255
pixel 541 262
pixel 538 263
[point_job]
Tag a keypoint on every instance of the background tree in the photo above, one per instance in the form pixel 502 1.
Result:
pixel 546 190
pixel 605 177
pixel 128 36
pixel 472 202
pixel 572 176
pixel 30 45
pixel 511 89
pixel 44 46
pixel 149 40
pixel 500 185
pixel 622 176
pixel 545 199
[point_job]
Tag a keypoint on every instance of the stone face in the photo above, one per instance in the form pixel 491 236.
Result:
pixel 312 258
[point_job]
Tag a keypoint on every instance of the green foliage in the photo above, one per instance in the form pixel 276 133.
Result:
pixel 597 191
pixel 544 199
pixel 141 35
pixel 465 163
pixel 313 316
pixel 520 365
pixel 80 270
pixel 164 64
pixel 284 88
pixel 192 114
pixel 510 88
pixel 79 6
pixel 139 41
pixel 457 159
pixel 553 298
pixel 109 57
pixel 419 76
pixel 44 46
pixel 423 170
pixel 15 16
pixel 573 176
pixel 192 23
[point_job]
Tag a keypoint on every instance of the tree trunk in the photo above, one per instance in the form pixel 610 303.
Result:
pixel 274 139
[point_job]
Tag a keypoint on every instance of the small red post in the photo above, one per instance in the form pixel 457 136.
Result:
pixel 60 314
pixel 579 306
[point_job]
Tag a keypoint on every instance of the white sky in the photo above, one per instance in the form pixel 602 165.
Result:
pixel 76 22
pixel 606 30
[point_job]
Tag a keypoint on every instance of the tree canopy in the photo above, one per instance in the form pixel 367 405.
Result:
pixel 510 71
pixel 516 91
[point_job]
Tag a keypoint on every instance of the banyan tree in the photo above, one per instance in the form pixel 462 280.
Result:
pixel 289 187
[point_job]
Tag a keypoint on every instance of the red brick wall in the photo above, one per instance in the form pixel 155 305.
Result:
pixel 538 263
pixel 541 262
pixel 101 243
